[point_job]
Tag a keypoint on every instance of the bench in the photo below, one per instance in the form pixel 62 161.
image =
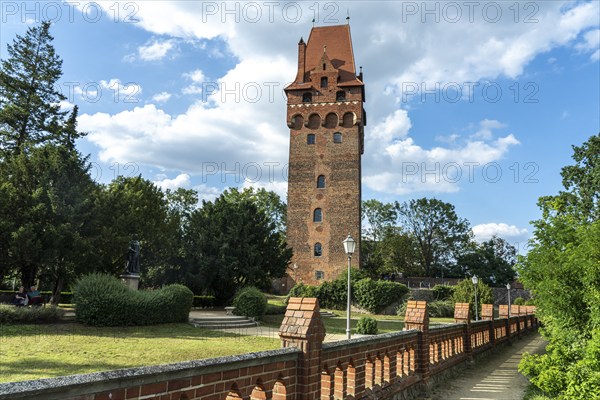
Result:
pixel 229 310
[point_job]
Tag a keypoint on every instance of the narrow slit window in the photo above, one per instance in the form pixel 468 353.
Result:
pixel 321 182
pixel 318 250
pixel 324 82
pixel 318 215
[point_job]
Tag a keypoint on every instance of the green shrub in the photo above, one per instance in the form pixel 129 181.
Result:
pixel 273 309
pixel 374 296
pixel 102 300
pixel 204 301
pixel 302 290
pixel 333 294
pixel 401 310
pixel 443 292
pixel 530 302
pixel 366 326
pixel 464 292
pixel 12 314
pixel 519 301
pixel 441 309
pixel 250 302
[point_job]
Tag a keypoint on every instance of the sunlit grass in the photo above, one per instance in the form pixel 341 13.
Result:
pixel 43 351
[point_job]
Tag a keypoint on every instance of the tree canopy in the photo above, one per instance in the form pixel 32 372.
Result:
pixel 562 268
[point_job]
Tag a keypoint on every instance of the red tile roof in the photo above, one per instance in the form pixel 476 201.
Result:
pixel 339 50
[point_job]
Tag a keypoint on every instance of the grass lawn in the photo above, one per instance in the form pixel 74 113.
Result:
pixel 44 351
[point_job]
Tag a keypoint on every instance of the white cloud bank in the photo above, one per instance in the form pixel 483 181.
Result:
pixel 238 125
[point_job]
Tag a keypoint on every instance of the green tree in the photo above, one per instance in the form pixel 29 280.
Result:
pixel 49 204
pixel 181 204
pixel 378 221
pixel 562 268
pixel 267 202
pixel 29 101
pixel 131 208
pixel 231 243
pixel 464 292
pixel 493 261
pixel 441 235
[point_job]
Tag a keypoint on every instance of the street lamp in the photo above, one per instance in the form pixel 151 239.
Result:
pixel 349 246
pixel 475 280
pixel 508 288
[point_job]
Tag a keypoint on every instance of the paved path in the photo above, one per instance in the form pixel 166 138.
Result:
pixel 492 378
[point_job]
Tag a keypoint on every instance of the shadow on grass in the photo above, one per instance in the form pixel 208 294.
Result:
pixel 163 331
pixel 27 369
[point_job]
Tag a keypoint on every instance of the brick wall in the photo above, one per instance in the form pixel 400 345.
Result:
pixel 371 367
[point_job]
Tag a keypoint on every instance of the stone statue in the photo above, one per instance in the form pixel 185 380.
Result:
pixel 133 258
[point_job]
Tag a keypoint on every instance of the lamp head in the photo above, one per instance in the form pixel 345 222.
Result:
pixel 475 280
pixel 349 245
pixel 508 286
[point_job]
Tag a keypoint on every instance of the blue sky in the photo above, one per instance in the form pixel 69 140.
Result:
pixel 475 103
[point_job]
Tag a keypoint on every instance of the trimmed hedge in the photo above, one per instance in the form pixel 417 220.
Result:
pixel 366 326
pixel 369 294
pixel 374 296
pixel 250 302
pixel 102 300
pixel 13 314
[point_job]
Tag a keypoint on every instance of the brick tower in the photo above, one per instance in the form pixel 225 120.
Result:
pixel 326 119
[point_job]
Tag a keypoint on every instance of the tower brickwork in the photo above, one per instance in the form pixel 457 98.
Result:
pixel 326 118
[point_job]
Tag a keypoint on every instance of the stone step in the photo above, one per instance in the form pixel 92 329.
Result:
pixel 225 322
pixel 220 319
pixel 249 324
pixel 327 314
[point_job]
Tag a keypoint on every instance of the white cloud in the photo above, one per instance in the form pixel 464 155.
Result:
pixel 157 50
pixel 231 126
pixel 161 97
pixel 207 193
pixel 591 43
pixel 507 232
pixel 196 76
pixel 198 79
pixel 180 181
pixel 396 164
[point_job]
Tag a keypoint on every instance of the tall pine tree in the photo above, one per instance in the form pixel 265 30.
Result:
pixel 30 111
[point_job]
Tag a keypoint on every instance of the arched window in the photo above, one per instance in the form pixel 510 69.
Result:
pixel 307 97
pixel 310 138
pixel 324 82
pixel 320 181
pixel 331 121
pixel 318 215
pixel 318 250
pixel 337 137
pixel 340 96
pixel 297 122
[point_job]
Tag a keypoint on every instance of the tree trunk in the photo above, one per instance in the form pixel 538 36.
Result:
pixel 58 285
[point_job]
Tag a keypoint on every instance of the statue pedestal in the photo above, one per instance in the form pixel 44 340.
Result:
pixel 132 281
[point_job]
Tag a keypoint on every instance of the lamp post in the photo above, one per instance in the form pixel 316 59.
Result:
pixel 349 246
pixel 475 280
pixel 508 288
